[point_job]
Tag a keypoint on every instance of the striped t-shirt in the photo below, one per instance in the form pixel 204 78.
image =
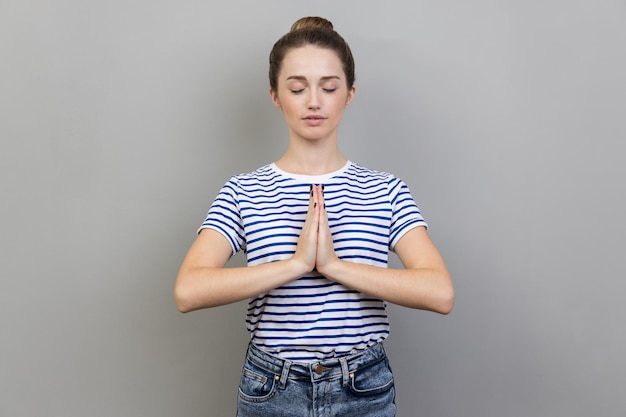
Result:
pixel 313 318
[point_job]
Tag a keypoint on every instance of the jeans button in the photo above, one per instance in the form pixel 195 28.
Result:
pixel 319 369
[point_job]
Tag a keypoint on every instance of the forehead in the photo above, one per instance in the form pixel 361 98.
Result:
pixel 311 62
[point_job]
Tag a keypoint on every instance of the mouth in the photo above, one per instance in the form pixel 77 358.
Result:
pixel 314 119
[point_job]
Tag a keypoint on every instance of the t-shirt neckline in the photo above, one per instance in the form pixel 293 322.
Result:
pixel 311 178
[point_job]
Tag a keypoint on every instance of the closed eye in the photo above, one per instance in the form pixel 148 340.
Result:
pixel 329 90
pixel 297 91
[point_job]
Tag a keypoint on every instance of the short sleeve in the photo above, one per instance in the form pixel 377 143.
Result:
pixel 405 212
pixel 224 215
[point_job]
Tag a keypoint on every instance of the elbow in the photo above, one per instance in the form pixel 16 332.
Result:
pixel 446 302
pixel 182 301
pixel 182 308
pixel 181 305
pixel 446 306
pixel 447 296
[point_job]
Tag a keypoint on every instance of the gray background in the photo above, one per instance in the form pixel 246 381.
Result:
pixel 120 120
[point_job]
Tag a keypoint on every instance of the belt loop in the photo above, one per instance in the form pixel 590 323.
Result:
pixel 284 374
pixel 344 371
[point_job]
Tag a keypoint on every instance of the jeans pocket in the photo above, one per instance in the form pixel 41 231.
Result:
pixel 256 385
pixel 371 380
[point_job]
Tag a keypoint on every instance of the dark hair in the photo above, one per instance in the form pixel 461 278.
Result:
pixel 311 31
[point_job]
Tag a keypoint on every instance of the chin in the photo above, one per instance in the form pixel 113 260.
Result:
pixel 315 136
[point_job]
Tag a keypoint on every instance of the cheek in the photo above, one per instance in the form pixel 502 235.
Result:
pixel 284 104
pixel 339 107
pixel 289 114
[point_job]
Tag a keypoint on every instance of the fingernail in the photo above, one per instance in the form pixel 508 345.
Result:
pixel 322 187
pixel 311 190
pixel 314 205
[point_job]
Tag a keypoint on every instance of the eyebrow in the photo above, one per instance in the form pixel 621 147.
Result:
pixel 303 78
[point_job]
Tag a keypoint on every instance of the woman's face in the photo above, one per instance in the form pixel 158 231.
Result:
pixel 312 92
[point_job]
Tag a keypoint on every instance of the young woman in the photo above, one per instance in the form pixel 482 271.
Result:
pixel 317 229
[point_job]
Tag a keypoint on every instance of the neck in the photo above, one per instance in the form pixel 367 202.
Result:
pixel 311 158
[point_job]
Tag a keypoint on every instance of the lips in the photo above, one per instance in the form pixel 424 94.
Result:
pixel 313 119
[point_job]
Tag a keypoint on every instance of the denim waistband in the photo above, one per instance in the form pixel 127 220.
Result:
pixel 342 366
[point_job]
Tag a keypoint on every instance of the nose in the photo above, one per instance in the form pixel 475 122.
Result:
pixel 313 100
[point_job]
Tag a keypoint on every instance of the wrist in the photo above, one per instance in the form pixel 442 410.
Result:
pixel 298 266
pixel 332 269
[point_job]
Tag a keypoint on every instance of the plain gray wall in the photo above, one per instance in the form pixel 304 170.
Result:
pixel 120 120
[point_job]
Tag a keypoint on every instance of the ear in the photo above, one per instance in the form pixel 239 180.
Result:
pixel 275 100
pixel 351 93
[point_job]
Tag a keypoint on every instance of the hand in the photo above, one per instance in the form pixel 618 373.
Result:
pixel 325 247
pixel 306 249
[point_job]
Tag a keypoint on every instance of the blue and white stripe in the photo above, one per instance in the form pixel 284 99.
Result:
pixel 313 318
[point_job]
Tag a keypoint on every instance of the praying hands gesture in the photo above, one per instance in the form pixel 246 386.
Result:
pixel 315 248
pixel 424 282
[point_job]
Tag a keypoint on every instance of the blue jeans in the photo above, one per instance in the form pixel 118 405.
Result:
pixel 356 385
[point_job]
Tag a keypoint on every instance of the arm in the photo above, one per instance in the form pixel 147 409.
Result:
pixel 203 281
pixel 424 283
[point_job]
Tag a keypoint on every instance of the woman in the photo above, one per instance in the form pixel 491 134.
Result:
pixel 317 229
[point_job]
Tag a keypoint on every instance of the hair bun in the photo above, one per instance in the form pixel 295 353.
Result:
pixel 312 22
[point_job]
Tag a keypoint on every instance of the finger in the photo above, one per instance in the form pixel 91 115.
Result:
pixel 311 218
pixel 312 203
pixel 316 198
pixel 323 217
pixel 319 192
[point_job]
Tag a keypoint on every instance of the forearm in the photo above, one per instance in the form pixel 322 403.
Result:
pixel 421 288
pixel 203 287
